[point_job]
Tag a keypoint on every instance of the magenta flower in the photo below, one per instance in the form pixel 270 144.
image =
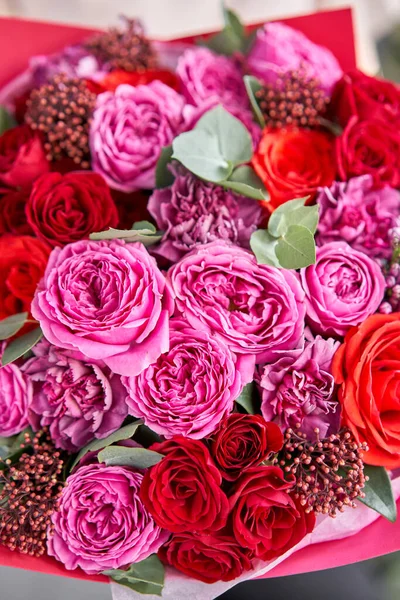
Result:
pixel 192 211
pixel 105 301
pixel 15 397
pixel 78 401
pixel 342 289
pixel 359 215
pixel 278 49
pixel 101 522
pixel 130 127
pixel 190 388
pixel 299 389
pixel 73 61
pixel 255 309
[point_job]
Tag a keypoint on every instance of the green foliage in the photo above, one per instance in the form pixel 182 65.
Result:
pixel 20 346
pixel 143 232
pixel 11 325
pixel 139 458
pixel 145 577
pixel 378 492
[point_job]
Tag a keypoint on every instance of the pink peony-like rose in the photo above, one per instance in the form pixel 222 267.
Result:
pixel 299 389
pixel 342 289
pixel 205 75
pixel 101 522
pixel 106 301
pixel 15 396
pixel 190 388
pixel 130 127
pixel 361 216
pixel 278 48
pixel 255 309
pixel 192 211
pixel 78 401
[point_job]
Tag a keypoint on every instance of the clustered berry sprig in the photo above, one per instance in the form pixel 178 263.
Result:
pixel 329 472
pixel 30 494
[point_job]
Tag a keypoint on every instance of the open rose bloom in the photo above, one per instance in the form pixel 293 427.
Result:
pixel 199 305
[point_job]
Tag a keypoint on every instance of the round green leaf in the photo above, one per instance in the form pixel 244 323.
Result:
pixel 276 223
pixel 296 249
pixel 263 246
pixel 246 182
pixel 199 152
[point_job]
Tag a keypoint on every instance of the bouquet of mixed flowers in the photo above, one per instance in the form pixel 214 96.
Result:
pixel 200 301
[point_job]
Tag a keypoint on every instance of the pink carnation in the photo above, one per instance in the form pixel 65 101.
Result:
pixel 15 396
pixel 105 301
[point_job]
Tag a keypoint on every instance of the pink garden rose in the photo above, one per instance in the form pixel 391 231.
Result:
pixel 105 301
pixel 102 523
pixel 298 389
pixel 77 400
pixel 356 213
pixel 278 49
pixel 342 289
pixel 190 388
pixel 130 127
pixel 255 309
pixel 205 75
pixel 15 396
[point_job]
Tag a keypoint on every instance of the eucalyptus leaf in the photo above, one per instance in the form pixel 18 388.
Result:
pixel 246 182
pixel 306 216
pixel 234 140
pixel 296 249
pixel 124 433
pixel 232 20
pixel 276 219
pixel 19 346
pixel 198 150
pixel 145 577
pixel 253 85
pixel 140 458
pixel 11 325
pixel 246 398
pixel 7 121
pixel 225 42
pixel 378 492
pixel 147 236
pixel 143 226
pixel 263 245
pixel 164 177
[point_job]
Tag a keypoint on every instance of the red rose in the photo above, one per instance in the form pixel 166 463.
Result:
pixel 67 208
pixel 208 557
pixel 183 491
pixel 369 147
pixel 131 207
pixel 243 441
pixel 357 94
pixel 266 519
pixel 22 157
pixel 23 260
pixel 12 213
pixel 115 78
pixel 294 163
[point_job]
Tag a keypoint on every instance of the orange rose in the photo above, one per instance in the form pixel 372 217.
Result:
pixel 367 367
pixel 294 163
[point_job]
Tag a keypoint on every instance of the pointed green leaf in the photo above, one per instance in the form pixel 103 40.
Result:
pixel 276 223
pixel 378 492
pixel 164 177
pixel 247 400
pixel 145 577
pixel 11 325
pixel 263 246
pixel 125 433
pixel 199 152
pixel 246 182
pixel 18 347
pixel 147 236
pixel 306 216
pixel 7 121
pixel 253 85
pixel 232 20
pixel 296 249
pixel 140 458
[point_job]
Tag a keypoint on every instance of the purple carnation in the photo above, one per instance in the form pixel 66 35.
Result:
pixel 278 49
pixel 77 400
pixel 299 389
pixel 192 211
pixel 190 388
pixel 361 216
pixel 15 396
pixel 101 522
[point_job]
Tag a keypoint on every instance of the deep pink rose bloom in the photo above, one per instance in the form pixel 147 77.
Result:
pixel 192 211
pixel 361 216
pixel 130 127
pixel 299 389
pixel 278 49
pixel 205 75
pixel 105 301
pixel 77 400
pixel 102 523
pixel 255 309
pixel 190 388
pixel 342 289
pixel 15 396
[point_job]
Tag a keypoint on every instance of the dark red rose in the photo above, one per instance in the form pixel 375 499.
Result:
pixel 208 557
pixel 115 78
pixel 67 208
pixel 131 207
pixel 12 213
pixel 183 491
pixel 266 519
pixel 22 157
pixel 369 147
pixel 23 260
pixel 243 441
pixel 357 94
